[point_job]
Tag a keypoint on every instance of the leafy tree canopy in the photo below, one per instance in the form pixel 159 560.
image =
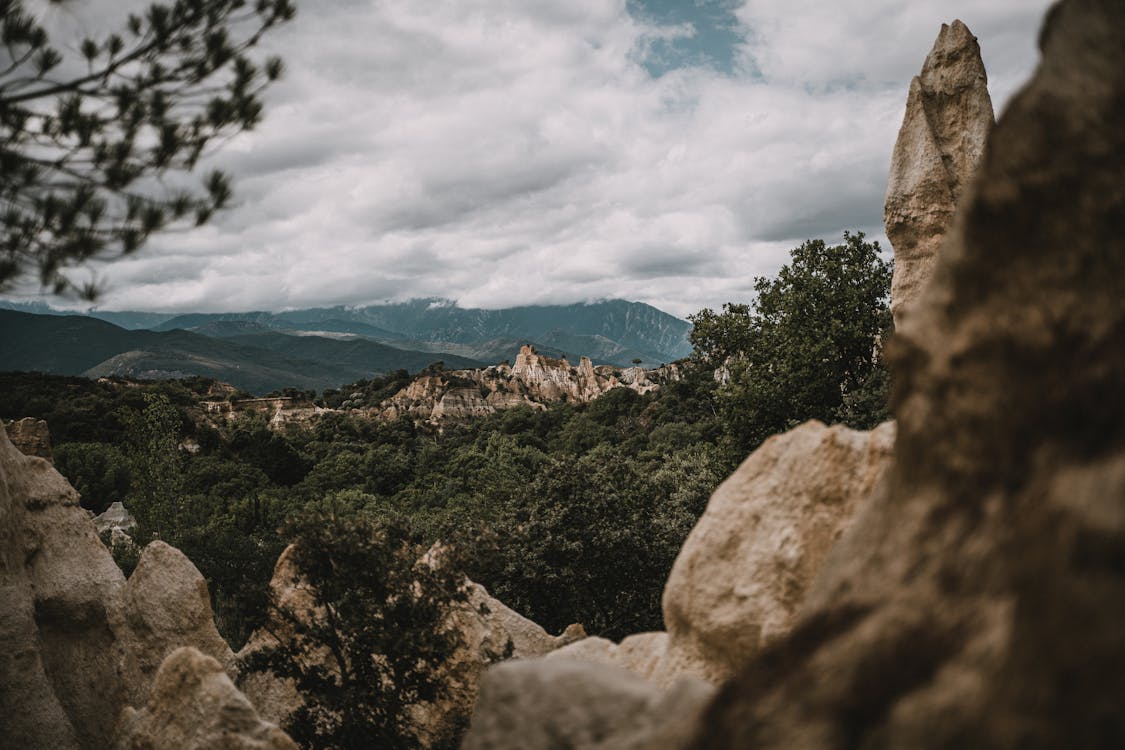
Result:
pixel 92 140
pixel 808 347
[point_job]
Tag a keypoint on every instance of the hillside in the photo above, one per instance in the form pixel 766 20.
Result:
pixel 259 363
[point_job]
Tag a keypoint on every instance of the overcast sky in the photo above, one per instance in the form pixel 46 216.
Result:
pixel 504 152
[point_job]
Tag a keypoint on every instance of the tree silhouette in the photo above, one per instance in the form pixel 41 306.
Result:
pixel 95 143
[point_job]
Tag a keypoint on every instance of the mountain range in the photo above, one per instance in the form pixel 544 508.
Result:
pixel 326 347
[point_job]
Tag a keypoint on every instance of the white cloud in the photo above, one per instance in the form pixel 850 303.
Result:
pixel 505 152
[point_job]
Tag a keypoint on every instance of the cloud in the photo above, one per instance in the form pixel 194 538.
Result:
pixel 504 152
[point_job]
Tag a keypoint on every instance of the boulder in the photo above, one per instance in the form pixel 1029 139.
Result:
pixel 166 606
pixel 195 706
pixel 80 643
pixel 31 437
pixel 948 119
pixel 979 601
pixel 115 518
pixel 545 704
pixel 743 572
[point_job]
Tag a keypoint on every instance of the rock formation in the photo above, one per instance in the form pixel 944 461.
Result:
pixel 195 706
pixel 543 705
pixel 115 518
pixel 31 437
pixel 80 643
pixel 742 574
pixel 491 632
pixel 979 601
pixel 534 381
pixel 948 118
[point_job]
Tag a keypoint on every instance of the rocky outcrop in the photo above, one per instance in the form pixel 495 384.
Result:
pixel 80 643
pixel 744 570
pixel 979 601
pixel 115 518
pixel 534 381
pixel 542 705
pixel 490 632
pixel 166 606
pixel 743 573
pixel 195 706
pixel 31 437
pixel 948 118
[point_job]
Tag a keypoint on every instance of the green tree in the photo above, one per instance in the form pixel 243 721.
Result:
pixel 92 140
pixel 156 465
pixel 379 619
pixel 98 471
pixel 808 348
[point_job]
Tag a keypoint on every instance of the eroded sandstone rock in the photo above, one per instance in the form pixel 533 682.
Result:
pixel 195 706
pixel 80 643
pixel 744 571
pixel 31 437
pixel 548 704
pixel 979 602
pixel 948 119
pixel 166 606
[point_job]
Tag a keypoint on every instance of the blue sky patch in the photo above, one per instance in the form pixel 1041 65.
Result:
pixel 713 42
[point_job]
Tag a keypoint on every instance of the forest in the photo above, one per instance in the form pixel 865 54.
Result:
pixel 574 513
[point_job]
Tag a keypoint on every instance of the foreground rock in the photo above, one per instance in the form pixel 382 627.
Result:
pixel 743 572
pixel 979 602
pixel 195 706
pixel 80 644
pixel 544 705
pixel 31 437
pixel 948 119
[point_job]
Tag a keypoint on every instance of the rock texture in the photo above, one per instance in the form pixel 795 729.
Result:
pixel 166 606
pixel 544 705
pixel 115 518
pixel 979 602
pixel 534 380
pixel 31 437
pixel 948 119
pixel 195 706
pixel 744 571
pixel 81 643
pixel 491 632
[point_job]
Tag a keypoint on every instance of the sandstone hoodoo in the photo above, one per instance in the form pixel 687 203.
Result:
pixel 978 602
pixel 948 119
pixel 534 380
pixel 976 598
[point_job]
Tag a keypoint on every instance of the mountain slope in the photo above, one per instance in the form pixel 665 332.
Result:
pixel 76 345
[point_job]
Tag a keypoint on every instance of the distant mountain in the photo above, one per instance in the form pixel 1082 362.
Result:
pixel 256 362
pixel 610 332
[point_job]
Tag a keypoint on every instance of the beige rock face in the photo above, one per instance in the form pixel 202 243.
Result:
pixel 166 606
pixel 194 706
pixel 948 119
pixel 743 572
pixel 31 437
pixel 79 642
pixel 543 705
pixel 534 381
pixel 979 602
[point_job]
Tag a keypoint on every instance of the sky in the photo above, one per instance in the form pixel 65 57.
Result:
pixel 511 152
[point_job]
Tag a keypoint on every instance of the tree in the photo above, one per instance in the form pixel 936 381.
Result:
pixel 376 637
pixel 94 144
pixel 156 465
pixel 808 348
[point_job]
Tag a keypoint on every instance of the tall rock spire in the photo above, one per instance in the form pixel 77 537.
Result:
pixel 948 118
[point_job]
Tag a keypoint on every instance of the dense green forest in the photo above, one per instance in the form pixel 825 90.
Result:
pixel 573 513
